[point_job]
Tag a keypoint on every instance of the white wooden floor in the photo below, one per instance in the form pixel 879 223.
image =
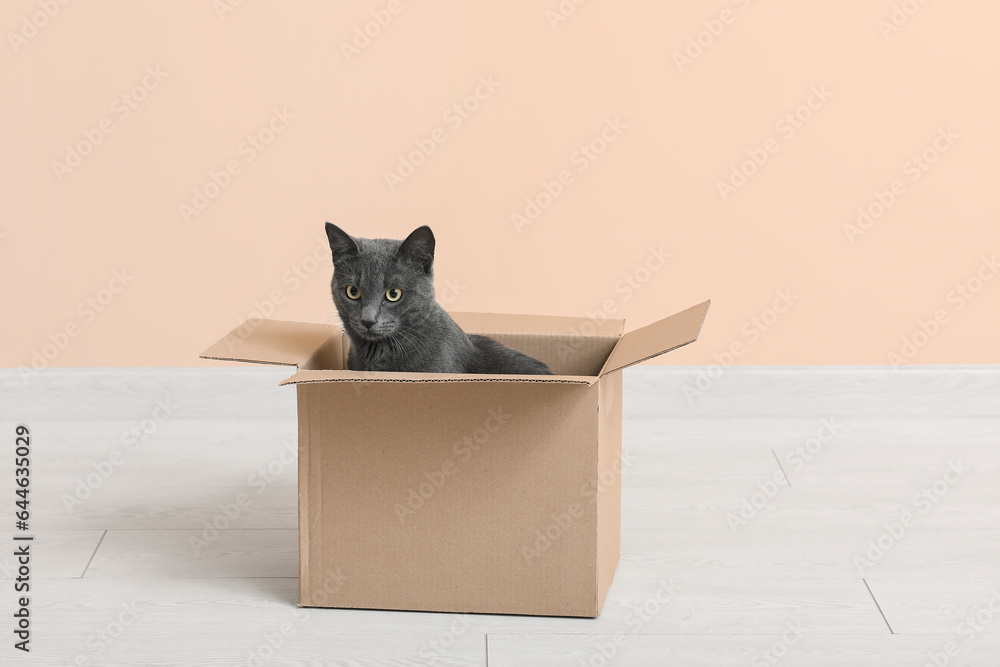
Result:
pixel 115 580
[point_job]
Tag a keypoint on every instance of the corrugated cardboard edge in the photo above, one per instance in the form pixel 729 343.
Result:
pixel 305 491
pixel 308 376
pixel 609 498
pixel 657 338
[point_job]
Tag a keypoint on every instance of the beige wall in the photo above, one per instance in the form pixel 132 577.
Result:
pixel 182 85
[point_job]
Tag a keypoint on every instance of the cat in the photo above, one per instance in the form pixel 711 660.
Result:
pixel 384 293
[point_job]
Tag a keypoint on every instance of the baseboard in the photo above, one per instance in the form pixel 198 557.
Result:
pixel 780 391
pixel 649 392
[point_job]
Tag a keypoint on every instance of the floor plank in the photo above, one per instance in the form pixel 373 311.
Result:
pixel 813 552
pixel 196 553
pixel 168 508
pixel 284 644
pixel 191 605
pixel 649 391
pixel 171 453
pixel 965 606
pixel 224 393
pixel 768 391
pixel 808 650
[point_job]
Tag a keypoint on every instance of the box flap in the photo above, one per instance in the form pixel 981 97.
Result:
pixel 499 323
pixel 306 376
pixel 271 342
pixel 659 337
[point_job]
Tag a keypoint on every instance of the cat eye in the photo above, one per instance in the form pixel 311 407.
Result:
pixel 393 294
pixel 353 292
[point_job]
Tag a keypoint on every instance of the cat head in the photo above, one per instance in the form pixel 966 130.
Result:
pixel 381 286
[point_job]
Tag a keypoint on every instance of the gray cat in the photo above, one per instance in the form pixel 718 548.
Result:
pixel 384 293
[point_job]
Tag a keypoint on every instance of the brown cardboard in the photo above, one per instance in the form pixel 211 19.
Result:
pixel 462 493
pixel 271 342
pixel 657 338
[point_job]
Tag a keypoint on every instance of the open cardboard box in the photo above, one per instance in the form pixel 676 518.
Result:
pixel 462 493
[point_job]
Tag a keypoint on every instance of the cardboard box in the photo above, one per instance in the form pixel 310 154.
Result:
pixel 462 493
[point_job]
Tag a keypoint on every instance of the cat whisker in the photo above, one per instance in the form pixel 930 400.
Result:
pixel 397 344
pixel 413 339
pixel 400 340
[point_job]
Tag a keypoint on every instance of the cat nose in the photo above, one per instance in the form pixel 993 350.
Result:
pixel 368 323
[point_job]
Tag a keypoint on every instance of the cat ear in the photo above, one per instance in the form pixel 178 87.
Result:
pixel 419 246
pixel 341 245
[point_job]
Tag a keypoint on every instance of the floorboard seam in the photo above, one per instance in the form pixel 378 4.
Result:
pixel 879 607
pixel 91 559
pixel 782 469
